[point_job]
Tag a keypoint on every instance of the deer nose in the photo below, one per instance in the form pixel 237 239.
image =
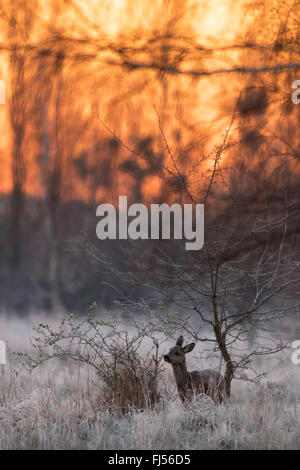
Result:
pixel 166 358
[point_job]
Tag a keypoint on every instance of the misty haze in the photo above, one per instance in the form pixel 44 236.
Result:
pixel 149 338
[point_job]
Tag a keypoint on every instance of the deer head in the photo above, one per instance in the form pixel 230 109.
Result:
pixel 176 355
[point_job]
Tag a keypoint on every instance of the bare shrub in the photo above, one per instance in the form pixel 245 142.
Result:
pixel 132 385
pixel 129 380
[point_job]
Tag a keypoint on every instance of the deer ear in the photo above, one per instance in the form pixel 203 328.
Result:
pixel 179 342
pixel 188 348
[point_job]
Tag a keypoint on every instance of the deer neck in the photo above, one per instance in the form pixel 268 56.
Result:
pixel 181 375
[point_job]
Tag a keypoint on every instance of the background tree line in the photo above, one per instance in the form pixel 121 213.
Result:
pixel 83 129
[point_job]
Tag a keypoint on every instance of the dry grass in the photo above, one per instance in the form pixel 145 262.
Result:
pixel 57 417
pixel 131 385
pixel 60 406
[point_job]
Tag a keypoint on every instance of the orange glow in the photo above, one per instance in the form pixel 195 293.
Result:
pixel 93 79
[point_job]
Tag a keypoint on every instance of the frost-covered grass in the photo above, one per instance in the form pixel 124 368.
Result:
pixel 59 406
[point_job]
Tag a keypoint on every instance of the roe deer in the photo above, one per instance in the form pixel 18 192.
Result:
pixel 205 381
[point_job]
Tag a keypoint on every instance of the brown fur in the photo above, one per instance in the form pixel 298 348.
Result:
pixel 206 381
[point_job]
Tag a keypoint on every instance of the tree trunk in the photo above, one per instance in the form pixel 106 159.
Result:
pixel 228 378
pixel 226 356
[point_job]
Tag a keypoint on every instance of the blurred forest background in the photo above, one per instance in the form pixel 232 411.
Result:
pixel 100 97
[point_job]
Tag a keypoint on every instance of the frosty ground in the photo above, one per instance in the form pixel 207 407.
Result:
pixel 59 406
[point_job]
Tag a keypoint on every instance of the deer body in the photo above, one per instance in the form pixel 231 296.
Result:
pixel 206 381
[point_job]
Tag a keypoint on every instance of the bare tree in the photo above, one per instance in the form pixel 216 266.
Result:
pixel 18 24
pixel 244 280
